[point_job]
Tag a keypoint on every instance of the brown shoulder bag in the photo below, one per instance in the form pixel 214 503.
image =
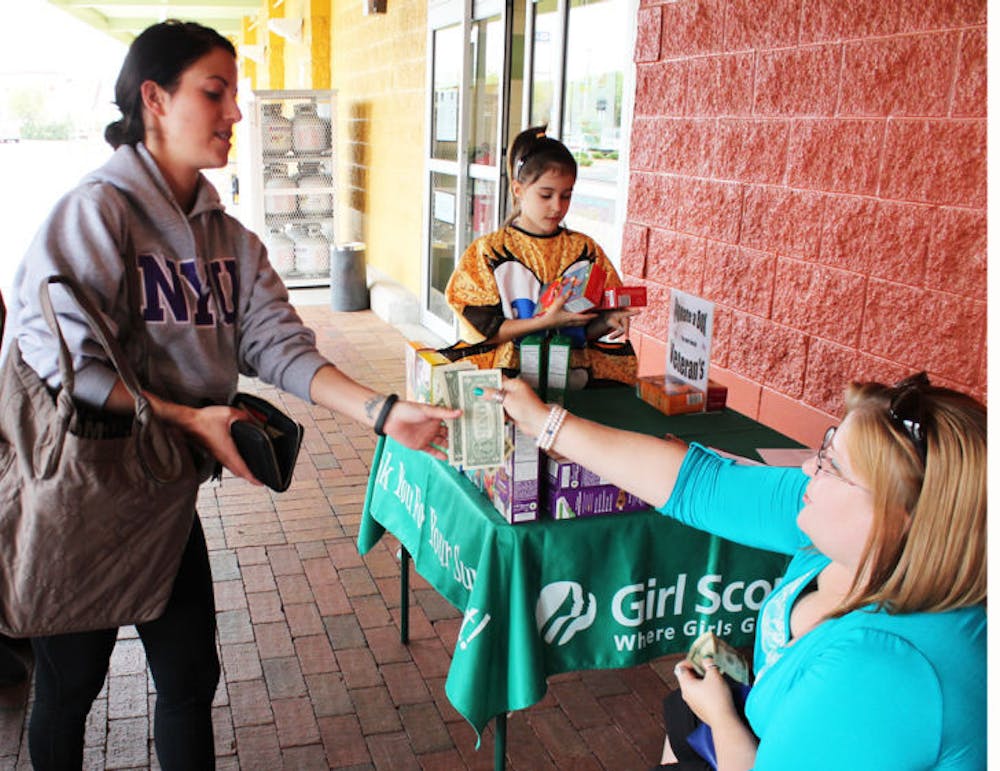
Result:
pixel 95 509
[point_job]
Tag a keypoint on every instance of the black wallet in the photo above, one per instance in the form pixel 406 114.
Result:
pixel 269 442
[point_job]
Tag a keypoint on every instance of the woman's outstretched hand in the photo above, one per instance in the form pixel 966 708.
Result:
pixel 421 427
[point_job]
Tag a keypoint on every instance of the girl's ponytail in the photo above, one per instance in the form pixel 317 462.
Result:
pixel 531 154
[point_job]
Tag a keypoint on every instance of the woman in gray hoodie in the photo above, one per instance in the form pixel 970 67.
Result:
pixel 214 308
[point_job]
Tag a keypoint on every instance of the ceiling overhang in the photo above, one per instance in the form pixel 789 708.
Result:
pixel 125 19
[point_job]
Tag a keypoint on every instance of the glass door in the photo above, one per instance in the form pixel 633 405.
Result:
pixel 487 43
pixel 496 69
pixel 443 169
pixel 582 82
pixel 468 83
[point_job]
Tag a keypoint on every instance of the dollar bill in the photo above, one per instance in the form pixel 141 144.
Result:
pixel 725 656
pixel 447 390
pixel 481 423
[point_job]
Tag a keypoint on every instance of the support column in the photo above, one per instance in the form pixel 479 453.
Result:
pixel 275 47
pixel 248 36
pixel 319 26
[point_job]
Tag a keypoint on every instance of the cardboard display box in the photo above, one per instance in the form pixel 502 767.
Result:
pixel 557 369
pixel 624 297
pixel 574 491
pixel 514 488
pixel 668 396
pixel 420 364
pixel 532 362
pixel 715 399
pixel 583 285
pixel 673 398
pixel 592 502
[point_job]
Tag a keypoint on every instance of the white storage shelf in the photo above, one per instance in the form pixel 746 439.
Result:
pixel 304 137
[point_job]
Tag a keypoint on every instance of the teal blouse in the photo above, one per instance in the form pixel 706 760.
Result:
pixel 867 691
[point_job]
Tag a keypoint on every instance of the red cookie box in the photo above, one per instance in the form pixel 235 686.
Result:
pixel 715 399
pixel 624 297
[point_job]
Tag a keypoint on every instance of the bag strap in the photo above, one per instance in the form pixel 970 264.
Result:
pixel 137 336
pixel 98 326
pixel 159 455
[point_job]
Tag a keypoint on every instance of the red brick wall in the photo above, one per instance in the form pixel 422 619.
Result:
pixel 817 168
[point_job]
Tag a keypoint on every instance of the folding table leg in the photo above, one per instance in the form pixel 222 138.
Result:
pixel 500 742
pixel 404 595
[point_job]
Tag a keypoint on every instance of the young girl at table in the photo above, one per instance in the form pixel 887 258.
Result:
pixel 870 653
pixel 495 289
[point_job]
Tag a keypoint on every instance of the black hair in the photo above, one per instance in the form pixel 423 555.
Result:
pixel 531 154
pixel 161 53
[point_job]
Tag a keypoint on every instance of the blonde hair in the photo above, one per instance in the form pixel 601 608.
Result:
pixel 927 546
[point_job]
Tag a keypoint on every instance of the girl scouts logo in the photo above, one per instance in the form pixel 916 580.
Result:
pixel 563 610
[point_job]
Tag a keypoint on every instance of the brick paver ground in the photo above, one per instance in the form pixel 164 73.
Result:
pixel 314 675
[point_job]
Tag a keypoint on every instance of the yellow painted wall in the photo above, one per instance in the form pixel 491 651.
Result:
pixel 297 53
pixel 377 66
pixel 289 63
pixel 319 41
pixel 379 73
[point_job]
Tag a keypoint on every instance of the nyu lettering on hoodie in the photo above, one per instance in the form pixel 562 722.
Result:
pixel 213 305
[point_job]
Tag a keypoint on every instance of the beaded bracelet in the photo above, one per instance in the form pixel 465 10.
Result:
pixel 553 422
pixel 383 414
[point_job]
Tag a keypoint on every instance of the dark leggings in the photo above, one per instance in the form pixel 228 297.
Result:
pixel 180 647
pixel 681 721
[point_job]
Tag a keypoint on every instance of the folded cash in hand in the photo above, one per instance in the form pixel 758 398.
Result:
pixel 725 656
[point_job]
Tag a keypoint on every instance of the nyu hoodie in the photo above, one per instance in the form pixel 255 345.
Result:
pixel 213 305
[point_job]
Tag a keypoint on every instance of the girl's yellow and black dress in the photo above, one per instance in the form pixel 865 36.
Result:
pixel 502 275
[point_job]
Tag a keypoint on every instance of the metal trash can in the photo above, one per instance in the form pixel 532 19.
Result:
pixel 348 280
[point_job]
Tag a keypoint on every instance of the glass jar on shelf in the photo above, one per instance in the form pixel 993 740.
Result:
pixel 313 175
pixel 310 133
pixel 312 249
pixel 276 179
pixel 281 251
pixel 276 130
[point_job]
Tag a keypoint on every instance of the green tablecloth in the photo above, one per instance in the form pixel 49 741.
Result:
pixel 555 596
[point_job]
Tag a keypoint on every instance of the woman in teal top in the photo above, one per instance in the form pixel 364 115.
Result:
pixel 871 652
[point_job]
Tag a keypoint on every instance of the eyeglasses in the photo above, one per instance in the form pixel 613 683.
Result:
pixel 907 411
pixel 830 468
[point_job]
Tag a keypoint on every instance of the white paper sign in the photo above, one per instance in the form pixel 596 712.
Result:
pixel 444 206
pixel 689 339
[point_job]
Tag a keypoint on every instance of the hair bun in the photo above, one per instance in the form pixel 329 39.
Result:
pixel 114 133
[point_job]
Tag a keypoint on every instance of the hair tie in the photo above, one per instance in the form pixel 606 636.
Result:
pixel 520 161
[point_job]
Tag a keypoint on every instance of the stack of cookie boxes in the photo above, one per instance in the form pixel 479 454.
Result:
pixel 530 483
pixel 573 491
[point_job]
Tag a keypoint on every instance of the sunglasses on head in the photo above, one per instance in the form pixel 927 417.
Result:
pixel 907 410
